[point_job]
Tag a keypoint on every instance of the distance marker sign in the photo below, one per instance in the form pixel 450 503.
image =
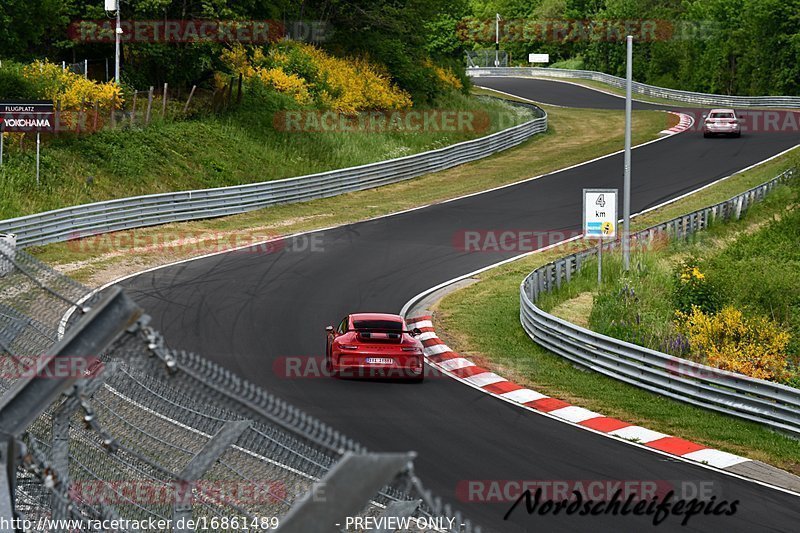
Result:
pixel 600 213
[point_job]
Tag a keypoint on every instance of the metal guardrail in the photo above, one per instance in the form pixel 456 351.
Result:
pixel 150 210
pixel 703 99
pixel 106 422
pixel 773 404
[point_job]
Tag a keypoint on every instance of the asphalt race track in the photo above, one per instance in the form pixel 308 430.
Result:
pixel 248 309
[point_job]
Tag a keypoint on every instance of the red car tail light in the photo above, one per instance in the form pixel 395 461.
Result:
pixel 410 349
pixel 348 347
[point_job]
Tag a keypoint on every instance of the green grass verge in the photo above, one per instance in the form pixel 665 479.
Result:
pixel 238 147
pixel 482 321
pixel 573 136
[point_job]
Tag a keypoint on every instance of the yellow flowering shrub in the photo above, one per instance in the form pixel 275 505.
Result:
pixel 729 340
pixel 445 76
pixel 310 75
pixel 54 83
pixel 692 289
pixel 282 82
pixel 236 59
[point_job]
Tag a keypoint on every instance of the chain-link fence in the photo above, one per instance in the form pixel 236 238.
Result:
pixel 101 421
pixel 487 58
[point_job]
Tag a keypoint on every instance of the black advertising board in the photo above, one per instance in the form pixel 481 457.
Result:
pixel 34 116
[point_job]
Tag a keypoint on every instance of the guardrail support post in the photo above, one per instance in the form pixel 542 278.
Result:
pixel 568 263
pixel 558 274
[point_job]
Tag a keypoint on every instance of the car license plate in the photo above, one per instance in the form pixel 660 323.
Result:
pixel 380 360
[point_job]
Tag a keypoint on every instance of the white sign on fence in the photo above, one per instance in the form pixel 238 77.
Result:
pixel 538 58
pixel 600 213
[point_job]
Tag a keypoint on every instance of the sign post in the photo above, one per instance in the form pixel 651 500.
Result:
pixel 600 220
pixel 26 116
pixel 37 157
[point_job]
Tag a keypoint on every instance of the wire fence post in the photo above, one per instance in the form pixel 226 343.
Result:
pixel 133 110
pixel 149 106
pixel 164 102
pixel 191 93
pixel 58 116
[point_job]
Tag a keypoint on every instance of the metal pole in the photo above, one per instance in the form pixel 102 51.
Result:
pixel 117 36
pixel 600 262
pixel 85 68
pixel 626 206
pixel 497 40
pixel 37 158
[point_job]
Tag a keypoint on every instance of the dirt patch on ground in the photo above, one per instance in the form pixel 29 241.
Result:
pixel 576 310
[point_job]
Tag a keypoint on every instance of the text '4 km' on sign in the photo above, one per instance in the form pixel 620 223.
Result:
pixel 600 213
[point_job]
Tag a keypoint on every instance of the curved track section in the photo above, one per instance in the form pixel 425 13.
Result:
pixel 246 310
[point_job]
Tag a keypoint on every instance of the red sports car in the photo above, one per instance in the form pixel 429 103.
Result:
pixel 374 345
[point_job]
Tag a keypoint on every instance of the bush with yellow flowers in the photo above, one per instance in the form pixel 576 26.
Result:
pixel 730 340
pixel 290 84
pixel 445 76
pixel 312 76
pixel 691 288
pixel 52 82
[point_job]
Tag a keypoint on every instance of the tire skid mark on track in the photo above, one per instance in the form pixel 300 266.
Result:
pixel 442 357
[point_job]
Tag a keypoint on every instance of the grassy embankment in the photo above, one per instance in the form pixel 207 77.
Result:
pixel 242 146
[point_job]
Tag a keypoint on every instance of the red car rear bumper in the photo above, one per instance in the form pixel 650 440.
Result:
pixel 356 366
